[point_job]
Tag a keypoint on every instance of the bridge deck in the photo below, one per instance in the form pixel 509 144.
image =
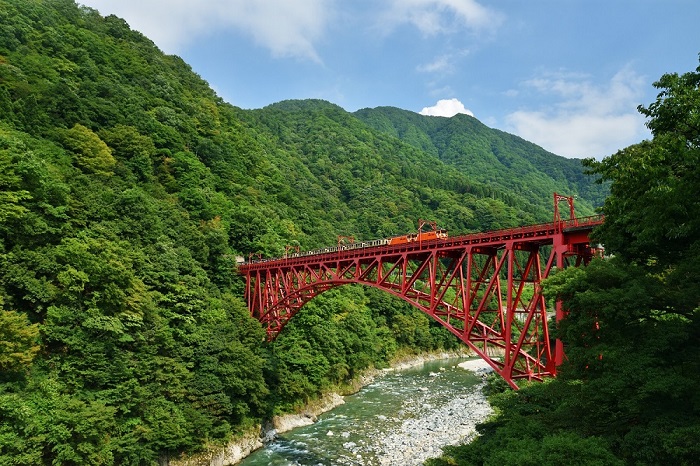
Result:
pixel 542 233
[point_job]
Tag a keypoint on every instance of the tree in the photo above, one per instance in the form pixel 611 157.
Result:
pixel 10 193
pixel 18 341
pixel 653 212
pixel 634 319
pixel 90 152
pixel 134 149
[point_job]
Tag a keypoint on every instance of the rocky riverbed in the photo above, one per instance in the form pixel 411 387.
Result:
pixel 401 418
pixel 434 425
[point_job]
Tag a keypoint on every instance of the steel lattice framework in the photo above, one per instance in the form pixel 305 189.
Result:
pixel 484 288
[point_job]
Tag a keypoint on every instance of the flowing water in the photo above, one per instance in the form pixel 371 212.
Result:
pixel 402 418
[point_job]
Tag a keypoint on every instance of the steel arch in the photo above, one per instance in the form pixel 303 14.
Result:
pixel 484 288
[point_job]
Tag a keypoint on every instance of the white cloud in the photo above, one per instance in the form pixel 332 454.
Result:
pixel 446 108
pixel 588 120
pixel 439 65
pixel 446 63
pixel 286 28
pixel 441 16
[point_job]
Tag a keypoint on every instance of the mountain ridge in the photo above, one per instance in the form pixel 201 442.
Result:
pixel 483 153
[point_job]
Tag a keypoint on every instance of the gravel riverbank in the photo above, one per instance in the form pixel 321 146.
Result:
pixel 435 426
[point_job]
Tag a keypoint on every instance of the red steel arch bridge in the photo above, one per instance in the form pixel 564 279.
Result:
pixel 483 287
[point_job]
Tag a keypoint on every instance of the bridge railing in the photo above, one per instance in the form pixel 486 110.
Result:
pixel 528 231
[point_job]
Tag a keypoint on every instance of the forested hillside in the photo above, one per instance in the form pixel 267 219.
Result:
pixel 506 164
pixel 127 189
pixel 628 392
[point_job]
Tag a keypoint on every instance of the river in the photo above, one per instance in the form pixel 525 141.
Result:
pixel 402 418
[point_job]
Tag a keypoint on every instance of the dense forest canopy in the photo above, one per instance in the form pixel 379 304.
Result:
pixel 128 188
pixel 628 393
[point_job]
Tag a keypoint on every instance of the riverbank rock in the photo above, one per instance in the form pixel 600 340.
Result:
pixel 417 360
pixel 309 415
pixel 232 453
pixel 433 427
pixel 478 366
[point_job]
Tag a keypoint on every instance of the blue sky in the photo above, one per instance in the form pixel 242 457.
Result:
pixel 565 74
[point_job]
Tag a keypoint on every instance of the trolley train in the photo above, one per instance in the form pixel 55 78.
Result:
pixel 394 240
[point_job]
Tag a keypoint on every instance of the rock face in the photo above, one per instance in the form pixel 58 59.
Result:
pixel 308 416
pixel 230 454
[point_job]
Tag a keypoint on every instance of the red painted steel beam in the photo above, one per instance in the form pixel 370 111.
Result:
pixel 484 288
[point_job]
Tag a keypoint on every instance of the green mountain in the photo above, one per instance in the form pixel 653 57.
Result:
pixel 128 188
pixel 507 163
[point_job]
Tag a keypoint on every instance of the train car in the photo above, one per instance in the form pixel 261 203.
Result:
pixel 421 236
pixel 432 235
pixel 403 239
pixel 376 242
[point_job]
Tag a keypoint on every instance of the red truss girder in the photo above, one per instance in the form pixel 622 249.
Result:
pixel 483 288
